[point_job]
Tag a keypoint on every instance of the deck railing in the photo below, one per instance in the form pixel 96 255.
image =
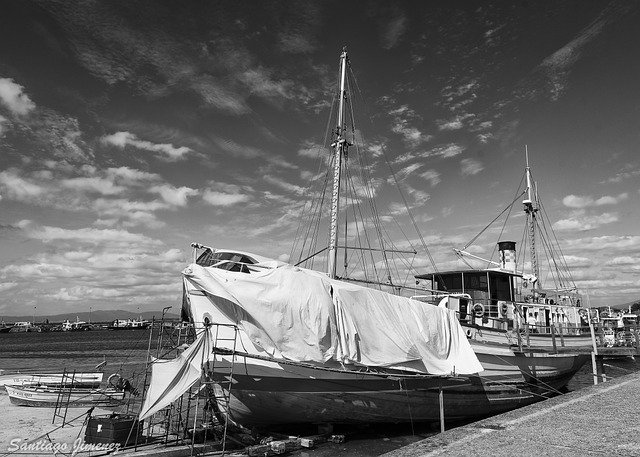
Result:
pixel 559 332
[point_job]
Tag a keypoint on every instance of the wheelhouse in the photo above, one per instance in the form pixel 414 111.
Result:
pixel 497 298
pixel 487 290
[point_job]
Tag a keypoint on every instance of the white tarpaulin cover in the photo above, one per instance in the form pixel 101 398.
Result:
pixel 302 315
pixel 171 378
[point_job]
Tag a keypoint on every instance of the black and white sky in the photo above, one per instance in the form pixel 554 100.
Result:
pixel 129 129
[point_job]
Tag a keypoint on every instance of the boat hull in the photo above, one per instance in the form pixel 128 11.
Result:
pixel 535 340
pixel 265 391
pixel 142 327
pixel 48 398
pixel 52 379
pixel 266 394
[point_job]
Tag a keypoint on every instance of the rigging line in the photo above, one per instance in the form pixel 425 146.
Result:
pixel 522 250
pixel 413 220
pixel 551 256
pixel 364 176
pixel 366 235
pixel 406 263
pixel 464 261
pixel 395 219
pixel 573 283
pixel 358 91
pixel 413 432
pixel 320 159
pixel 375 215
pixel 394 259
pixel 533 377
pixel 504 225
pixel 515 387
pixel 495 219
pixel 369 194
pixel 365 167
pixel 550 259
pixel 345 178
pixel 409 270
pixel 307 217
pixel 354 203
pixel 357 227
pixel 320 163
pixel 135 347
pixel 368 243
pixel 303 216
pixel 315 226
pixel 316 202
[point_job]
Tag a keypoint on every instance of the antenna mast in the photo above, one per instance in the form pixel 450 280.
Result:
pixel 531 208
pixel 340 147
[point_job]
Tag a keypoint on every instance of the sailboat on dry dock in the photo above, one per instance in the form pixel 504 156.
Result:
pixel 282 343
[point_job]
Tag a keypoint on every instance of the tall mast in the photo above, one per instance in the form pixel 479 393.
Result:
pixel 531 209
pixel 340 147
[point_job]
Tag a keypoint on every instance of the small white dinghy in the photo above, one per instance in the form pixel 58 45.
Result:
pixel 51 379
pixel 77 397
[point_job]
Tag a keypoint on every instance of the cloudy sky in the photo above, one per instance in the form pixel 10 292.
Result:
pixel 129 129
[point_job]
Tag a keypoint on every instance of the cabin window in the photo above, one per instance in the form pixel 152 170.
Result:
pixel 500 287
pixel 451 283
pixel 475 281
pixel 208 258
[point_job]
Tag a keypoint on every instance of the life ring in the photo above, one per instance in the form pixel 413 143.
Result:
pixel 504 308
pixel 525 284
pixel 478 310
pixel 117 380
pixel 469 333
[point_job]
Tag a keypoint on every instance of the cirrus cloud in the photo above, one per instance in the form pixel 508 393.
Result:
pixel 584 201
pixel 167 151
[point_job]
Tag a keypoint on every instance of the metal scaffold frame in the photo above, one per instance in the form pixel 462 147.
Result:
pixel 202 412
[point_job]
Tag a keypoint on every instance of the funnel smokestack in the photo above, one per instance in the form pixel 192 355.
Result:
pixel 507 255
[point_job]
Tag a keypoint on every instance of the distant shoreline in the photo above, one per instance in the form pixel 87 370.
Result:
pixel 94 316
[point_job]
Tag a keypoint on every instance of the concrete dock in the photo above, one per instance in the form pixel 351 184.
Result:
pixel 602 420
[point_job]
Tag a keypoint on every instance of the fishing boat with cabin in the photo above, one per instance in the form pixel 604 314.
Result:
pixel 129 324
pixel 501 303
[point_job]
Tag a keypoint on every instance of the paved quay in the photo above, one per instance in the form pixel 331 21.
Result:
pixel 602 420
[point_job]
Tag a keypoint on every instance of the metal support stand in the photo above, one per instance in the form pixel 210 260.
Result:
pixel 441 401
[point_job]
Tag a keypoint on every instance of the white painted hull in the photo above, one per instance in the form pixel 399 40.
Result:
pixel 47 398
pixel 52 379
pixel 536 340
